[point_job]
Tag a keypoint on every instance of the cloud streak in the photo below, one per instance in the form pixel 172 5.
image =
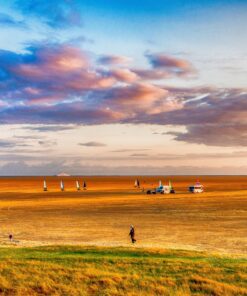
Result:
pixel 12 144
pixel 113 60
pixel 92 144
pixel 8 21
pixel 50 128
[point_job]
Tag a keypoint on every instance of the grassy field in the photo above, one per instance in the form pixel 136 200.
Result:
pixel 118 271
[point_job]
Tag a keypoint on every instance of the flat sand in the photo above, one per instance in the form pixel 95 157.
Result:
pixel 214 221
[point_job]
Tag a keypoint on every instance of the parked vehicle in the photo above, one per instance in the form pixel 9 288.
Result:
pixel 162 189
pixel 197 188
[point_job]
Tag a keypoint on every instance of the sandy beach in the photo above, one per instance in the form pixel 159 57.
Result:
pixel 213 221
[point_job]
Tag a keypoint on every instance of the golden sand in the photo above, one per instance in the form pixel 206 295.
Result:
pixel 215 220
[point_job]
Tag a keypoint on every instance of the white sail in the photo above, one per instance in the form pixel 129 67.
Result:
pixel 62 185
pixel 170 185
pixel 45 186
pixel 77 185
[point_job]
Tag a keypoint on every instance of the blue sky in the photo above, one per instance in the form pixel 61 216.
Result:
pixel 201 31
pixel 173 72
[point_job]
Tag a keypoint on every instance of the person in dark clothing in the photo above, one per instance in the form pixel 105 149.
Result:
pixel 10 237
pixel 132 234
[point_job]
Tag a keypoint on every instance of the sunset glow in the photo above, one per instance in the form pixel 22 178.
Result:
pixel 120 87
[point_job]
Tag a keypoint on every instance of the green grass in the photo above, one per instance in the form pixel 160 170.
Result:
pixel 118 271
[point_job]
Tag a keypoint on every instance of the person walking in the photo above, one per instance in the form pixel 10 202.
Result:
pixel 132 234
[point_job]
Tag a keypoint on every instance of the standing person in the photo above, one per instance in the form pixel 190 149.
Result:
pixel 132 234
pixel 10 237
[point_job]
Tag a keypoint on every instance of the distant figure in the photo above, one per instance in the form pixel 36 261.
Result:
pixel 84 185
pixel 132 234
pixel 10 237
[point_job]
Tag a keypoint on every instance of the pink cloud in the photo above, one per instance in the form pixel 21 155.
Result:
pixel 152 74
pixel 138 93
pixel 86 80
pixel 59 84
pixel 124 75
pixel 61 72
pixel 171 64
pixel 53 62
pixel 44 100
pixel 32 90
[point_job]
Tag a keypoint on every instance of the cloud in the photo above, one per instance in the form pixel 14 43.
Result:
pixel 7 144
pixel 62 82
pixel 47 143
pixel 9 21
pixel 60 114
pixel 29 137
pixel 50 128
pixel 27 152
pixel 139 155
pixel 56 13
pixel 218 119
pixel 214 135
pixel 124 75
pixel 113 60
pixel 171 64
pixel 92 144
pixel 56 60
pixel 12 144
pixel 129 150
pixel 191 156
pixel 138 94
pixel 152 74
pixel 49 73
pixel 57 85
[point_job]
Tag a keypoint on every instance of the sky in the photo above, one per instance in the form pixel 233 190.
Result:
pixel 123 87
